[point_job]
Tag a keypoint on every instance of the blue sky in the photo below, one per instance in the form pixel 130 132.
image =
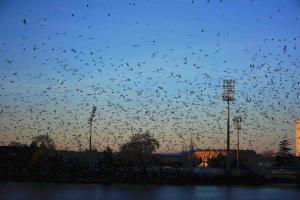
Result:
pixel 154 65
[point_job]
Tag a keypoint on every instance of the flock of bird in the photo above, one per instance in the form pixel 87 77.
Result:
pixel 174 92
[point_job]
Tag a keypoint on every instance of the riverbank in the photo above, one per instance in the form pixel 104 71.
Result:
pixel 174 180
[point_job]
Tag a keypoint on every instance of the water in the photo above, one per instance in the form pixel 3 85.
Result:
pixel 20 191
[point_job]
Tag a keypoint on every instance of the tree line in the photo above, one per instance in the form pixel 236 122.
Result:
pixel 135 162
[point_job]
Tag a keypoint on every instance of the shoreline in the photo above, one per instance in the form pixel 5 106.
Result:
pixel 269 185
pixel 207 181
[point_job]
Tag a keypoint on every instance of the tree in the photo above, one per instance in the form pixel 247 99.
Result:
pixel 43 141
pixel 139 147
pixel 42 163
pixel 137 154
pixel 107 165
pixel 284 158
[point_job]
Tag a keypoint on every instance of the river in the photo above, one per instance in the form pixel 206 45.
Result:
pixel 37 191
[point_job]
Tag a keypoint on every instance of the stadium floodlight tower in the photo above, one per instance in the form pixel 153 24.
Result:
pixel 228 96
pixel 237 123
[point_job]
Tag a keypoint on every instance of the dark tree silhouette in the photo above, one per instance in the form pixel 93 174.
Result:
pixel 138 152
pixel 139 147
pixel 43 141
pixel 284 158
pixel 107 165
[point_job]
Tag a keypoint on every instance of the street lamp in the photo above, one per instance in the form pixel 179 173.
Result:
pixel 90 121
pixel 228 95
pixel 237 123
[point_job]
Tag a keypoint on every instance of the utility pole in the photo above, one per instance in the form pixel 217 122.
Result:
pixel 91 120
pixel 228 95
pixel 237 122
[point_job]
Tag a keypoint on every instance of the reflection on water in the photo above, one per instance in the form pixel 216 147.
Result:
pixel 26 191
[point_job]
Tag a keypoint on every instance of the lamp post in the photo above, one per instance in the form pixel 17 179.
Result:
pixel 228 95
pixel 237 122
pixel 90 121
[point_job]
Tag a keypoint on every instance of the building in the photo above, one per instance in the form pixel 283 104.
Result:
pixel 298 138
pixel 205 155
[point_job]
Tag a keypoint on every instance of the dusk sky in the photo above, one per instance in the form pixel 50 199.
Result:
pixel 149 65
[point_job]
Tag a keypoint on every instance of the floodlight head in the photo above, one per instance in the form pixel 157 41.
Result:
pixel 237 122
pixel 229 88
